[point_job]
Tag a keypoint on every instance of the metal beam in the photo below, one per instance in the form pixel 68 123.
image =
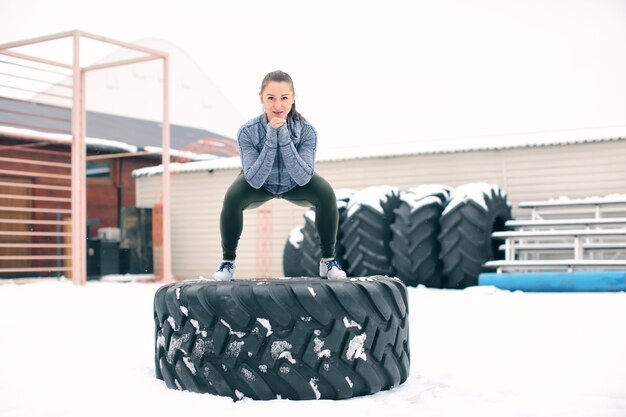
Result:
pixel 38 39
pixel 79 270
pixel 123 44
pixel 34 58
pixel 128 61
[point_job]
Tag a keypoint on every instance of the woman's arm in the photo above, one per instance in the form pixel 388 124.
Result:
pixel 299 163
pixel 257 166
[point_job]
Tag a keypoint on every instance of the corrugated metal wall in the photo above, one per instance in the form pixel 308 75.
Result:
pixel 576 170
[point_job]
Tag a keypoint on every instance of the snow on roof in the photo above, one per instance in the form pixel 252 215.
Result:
pixel 97 143
pixel 484 143
pixel 65 138
pixel 198 166
pixel 478 143
pixel 567 201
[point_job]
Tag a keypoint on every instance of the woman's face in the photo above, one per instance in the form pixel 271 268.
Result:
pixel 277 99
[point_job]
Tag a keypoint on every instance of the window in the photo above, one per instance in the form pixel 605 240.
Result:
pixel 99 169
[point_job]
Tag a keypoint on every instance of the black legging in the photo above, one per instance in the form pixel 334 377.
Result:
pixel 241 196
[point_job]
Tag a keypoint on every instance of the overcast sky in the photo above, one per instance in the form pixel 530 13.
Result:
pixel 387 71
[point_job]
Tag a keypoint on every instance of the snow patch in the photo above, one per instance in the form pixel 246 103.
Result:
pixel 305 319
pixel 278 347
pixel 356 349
pixel 373 197
pixel 178 293
pixel 263 368
pixel 196 325
pixel 200 347
pixel 471 192
pixel 234 349
pixel 318 344
pixel 175 344
pixel 344 194
pixel 296 237
pixel 280 350
pixel 230 329
pixel 427 190
pixel 184 310
pixel 350 323
pixel 349 382
pixel 312 291
pixel 313 384
pixel 178 384
pixel 287 355
pixel 265 323
pixel 484 289
pixel 189 364
pixel 239 394
pixel 172 323
pixel 160 341
pixel 284 369
pixel 247 374
pixel 416 202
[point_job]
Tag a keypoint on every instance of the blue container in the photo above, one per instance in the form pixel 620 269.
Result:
pixel 583 281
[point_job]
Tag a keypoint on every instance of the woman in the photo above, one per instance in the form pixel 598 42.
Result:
pixel 277 152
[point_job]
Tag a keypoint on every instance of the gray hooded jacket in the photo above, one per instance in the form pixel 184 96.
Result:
pixel 277 159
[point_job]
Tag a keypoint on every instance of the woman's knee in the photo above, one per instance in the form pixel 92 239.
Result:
pixel 323 189
pixel 234 199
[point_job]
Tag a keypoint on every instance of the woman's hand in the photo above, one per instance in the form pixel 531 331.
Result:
pixel 277 122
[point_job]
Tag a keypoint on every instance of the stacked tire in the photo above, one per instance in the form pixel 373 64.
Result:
pixel 415 236
pixel 430 235
pixel 366 232
pixel 472 214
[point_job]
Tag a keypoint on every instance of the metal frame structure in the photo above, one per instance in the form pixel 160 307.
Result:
pixel 579 238
pixel 78 147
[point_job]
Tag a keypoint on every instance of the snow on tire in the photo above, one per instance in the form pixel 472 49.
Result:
pixel 292 254
pixel 300 339
pixel 473 212
pixel 366 231
pixel 415 236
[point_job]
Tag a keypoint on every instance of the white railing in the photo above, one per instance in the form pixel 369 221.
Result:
pixel 567 242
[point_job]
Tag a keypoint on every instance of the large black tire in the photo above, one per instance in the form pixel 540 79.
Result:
pixel 366 231
pixel 415 236
pixel 472 214
pixel 301 339
pixel 292 254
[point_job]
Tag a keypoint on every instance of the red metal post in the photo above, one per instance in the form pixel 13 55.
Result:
pixel 79 249
pixel 167 252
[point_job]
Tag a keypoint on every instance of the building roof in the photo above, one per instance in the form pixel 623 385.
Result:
pixel 139 133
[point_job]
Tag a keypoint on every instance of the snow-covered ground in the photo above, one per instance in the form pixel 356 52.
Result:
pixel 88 351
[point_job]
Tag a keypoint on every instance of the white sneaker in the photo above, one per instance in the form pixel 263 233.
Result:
pixel 331 269
pixel 225 272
